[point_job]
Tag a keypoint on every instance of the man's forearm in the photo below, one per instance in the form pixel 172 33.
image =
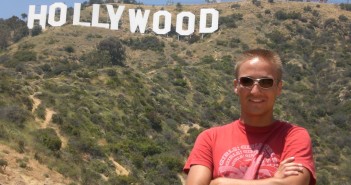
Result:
pixel 302 178
pixel 228 181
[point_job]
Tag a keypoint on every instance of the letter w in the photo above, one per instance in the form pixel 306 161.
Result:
pixel 138 20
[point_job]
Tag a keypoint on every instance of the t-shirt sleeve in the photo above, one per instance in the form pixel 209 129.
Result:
pixel 299 145
pixel 201 153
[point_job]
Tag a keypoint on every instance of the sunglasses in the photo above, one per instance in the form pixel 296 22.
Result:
pixel 264 83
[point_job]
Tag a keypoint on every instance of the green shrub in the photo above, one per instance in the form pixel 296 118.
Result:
pixel 37 30
pixel 69 49
pixel 208 59
pixel 344 6
pixel 114 47
pixel 256 2
pixel 230 21
pixel 25 55
pixel 236 6
pixel 307 9
pixel 282 15
pixel 3 164
pixel 234 42
pixel 145 43
pixel 343 18
pixel 14 114
pixel 48 138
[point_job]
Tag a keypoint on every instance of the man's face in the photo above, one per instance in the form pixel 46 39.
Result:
pixel 255 100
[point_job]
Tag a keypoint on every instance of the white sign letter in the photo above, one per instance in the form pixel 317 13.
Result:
pixel 115 17
pixel 95 19
pixel 167 22
pixel 52 13
pixel 203 20
pixel 76 16
pixel 138 20
pixel 41 16
pixel 191 23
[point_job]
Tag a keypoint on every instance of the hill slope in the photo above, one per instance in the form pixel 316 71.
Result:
pixel 67 103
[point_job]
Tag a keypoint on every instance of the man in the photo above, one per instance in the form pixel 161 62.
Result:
pixel 256 149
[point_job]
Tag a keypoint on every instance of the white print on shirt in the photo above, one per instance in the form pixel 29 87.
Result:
pixel 245 162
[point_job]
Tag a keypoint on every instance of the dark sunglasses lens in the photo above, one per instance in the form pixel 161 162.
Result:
pixel 246 82
pixel 266 82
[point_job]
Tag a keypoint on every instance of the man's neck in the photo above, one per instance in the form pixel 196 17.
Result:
pixel 257 121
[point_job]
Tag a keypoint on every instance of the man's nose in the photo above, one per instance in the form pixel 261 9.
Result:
pixel 255 88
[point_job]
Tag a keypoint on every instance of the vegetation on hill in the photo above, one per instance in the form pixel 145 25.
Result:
pixel 141 100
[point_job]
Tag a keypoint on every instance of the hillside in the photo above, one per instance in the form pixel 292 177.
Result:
pixel 85 105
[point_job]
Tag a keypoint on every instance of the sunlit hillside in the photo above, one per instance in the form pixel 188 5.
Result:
pixel 85 105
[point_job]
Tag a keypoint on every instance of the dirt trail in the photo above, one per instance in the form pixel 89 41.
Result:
pixel 48 118
pixel 182 178
pixel 185 128
pixel 120 170
pixel 36 104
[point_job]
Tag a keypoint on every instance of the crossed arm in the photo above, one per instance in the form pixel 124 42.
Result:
pixel 288 173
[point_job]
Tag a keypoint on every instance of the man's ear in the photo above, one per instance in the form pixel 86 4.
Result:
pixel 279 87
pixel 235 82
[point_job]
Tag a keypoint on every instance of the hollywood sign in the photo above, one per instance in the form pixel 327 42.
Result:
pixel 138 20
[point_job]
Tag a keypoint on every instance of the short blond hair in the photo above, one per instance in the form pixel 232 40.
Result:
pixel 267 55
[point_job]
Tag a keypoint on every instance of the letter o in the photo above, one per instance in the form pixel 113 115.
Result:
pixel 156 22
pixel 63 14
pixel 191 23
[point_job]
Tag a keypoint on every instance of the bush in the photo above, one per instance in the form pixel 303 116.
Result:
pixel 97 59
pixel 343 18
pixel 14 114
pixel 344 6
pixel 256 2
pixel 281 15
pixel 3 164
pixel 69 49
pixel 230 21
pixel 37 30
pixel 307 9
pixel 48 138
pixel 236 6
pixel 234 42
pixel 20 32
pixel 114 47
pixel 208 59
pixel 25 55
pixel 145 43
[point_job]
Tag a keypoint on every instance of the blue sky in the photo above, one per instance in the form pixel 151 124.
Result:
pixel 9 8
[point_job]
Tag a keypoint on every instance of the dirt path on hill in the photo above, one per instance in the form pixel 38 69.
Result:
pixel 120 170
pixel 48 118
pixel 182 178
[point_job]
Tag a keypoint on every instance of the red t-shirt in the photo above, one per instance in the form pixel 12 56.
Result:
pixel 240 151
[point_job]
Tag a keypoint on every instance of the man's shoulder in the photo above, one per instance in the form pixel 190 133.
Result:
pixel 292 128
pixel 220 129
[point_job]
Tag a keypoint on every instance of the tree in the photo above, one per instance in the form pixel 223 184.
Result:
pixel 179 7
pixel 4 35
pixel 36 30
pixel 115 48
pixel 20 33
pixel 24 16
pixel 130 2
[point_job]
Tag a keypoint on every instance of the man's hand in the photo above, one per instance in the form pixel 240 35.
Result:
pixel 288 168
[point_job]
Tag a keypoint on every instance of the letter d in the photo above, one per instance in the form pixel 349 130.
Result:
pixel 203 20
